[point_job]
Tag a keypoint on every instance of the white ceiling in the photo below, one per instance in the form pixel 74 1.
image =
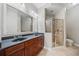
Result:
pixel 39 5
pixel 55 7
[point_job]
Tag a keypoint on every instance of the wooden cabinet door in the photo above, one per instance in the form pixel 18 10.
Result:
pixel 34 50
pixel 37 46
pixel 11 50
pixel 18 53
pixel 34 46
pixel 30 50
pixel 2 53
pixel 28 47
pixel 27 51
pixel 41 41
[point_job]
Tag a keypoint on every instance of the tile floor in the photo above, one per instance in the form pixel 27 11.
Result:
pixel 61 51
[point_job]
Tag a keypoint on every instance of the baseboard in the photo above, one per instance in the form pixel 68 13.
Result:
pixel 76 44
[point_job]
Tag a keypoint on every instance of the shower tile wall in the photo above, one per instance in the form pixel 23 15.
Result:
pixel 58 32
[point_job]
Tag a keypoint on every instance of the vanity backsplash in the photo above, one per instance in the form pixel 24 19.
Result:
pixel 10 37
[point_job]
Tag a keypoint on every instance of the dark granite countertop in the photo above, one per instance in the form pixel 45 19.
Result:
pixel 8 42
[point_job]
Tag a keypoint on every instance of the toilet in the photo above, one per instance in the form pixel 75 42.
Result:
pixel 69 42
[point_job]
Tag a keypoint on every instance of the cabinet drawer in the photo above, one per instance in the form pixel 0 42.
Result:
pixel 13 49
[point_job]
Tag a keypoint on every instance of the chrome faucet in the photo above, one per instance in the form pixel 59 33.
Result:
pixel 15 36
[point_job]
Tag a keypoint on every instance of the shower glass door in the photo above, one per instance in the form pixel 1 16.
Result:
pixel 58 32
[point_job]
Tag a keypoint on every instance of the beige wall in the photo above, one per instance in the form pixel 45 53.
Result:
pixel 61 14
pixel 41 20
pixel 72 23
pixel 0 20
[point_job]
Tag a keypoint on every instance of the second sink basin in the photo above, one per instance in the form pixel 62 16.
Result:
pixel 18 39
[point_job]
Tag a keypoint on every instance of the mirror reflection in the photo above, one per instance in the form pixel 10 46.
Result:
pixel 26 23
pixel 16 21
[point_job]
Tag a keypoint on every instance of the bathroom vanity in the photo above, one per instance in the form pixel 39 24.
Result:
pixel 30 46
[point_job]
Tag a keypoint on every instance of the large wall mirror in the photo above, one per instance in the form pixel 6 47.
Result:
pixel 26 23
pixel 15 21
